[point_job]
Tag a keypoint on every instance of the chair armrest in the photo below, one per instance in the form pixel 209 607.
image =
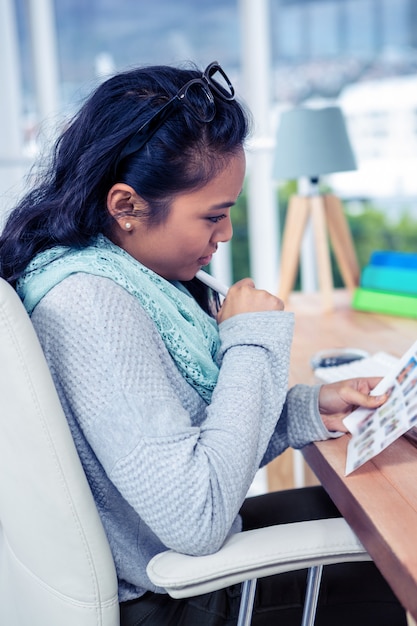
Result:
pixel 256 554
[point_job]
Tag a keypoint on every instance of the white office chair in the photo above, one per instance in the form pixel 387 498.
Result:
pixel 56 568
pixel 55 563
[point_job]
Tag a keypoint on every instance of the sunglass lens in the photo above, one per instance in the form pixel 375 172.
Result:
pixel 220 82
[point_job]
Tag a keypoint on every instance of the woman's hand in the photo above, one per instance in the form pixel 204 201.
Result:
pixel 242 297
pixel 337 400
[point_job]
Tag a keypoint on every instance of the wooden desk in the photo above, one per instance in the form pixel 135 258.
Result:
pixel 379 500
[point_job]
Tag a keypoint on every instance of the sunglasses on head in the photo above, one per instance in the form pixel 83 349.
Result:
pixel 198 95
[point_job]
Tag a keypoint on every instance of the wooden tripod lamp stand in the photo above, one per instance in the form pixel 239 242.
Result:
pixel 310 143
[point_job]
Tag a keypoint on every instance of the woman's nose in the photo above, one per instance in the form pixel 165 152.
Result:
pixel 224 232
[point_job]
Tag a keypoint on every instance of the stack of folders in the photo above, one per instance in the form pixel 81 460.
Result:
pixel 388 284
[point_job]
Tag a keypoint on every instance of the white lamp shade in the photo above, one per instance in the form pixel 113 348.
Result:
pixel 312 142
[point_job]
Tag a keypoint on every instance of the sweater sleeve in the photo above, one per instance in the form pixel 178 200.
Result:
pixel 184 467
pixel 300 422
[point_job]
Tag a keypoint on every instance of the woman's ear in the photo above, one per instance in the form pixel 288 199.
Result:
pixel 122 201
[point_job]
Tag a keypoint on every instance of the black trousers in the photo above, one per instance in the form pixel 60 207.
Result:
pixel 351 594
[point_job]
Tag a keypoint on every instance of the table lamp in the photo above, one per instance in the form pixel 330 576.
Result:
pixel 310 143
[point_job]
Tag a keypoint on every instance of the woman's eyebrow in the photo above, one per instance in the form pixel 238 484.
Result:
pixel 227 204
pixel 223 205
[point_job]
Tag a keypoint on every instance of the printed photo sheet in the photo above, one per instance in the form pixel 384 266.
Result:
pixel 372 431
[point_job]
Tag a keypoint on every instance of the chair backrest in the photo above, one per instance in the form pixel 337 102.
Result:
pixel 55 562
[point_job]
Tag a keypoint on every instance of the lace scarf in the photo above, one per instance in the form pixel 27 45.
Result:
pixel 190 335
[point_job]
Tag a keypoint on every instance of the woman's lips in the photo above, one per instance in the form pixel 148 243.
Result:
pixel 205 260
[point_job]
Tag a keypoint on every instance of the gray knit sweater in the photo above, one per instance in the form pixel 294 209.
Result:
pixel 165 469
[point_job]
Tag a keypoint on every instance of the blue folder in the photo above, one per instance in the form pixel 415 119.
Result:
pixel 394 259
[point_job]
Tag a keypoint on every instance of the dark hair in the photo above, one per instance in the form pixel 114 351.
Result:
pixel 68 206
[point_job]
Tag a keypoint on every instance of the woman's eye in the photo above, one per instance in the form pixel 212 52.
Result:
pixel 216 218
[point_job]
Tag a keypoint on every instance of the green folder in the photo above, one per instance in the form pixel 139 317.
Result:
pixel 375 301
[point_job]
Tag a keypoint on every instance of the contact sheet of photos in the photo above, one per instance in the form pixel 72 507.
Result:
pixel 372 431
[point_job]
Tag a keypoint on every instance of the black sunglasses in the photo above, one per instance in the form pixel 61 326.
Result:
pixel 198 95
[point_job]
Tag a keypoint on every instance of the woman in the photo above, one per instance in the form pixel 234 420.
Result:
pixel 174 401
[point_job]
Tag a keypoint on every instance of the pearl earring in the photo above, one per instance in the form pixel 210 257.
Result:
pixel 128 225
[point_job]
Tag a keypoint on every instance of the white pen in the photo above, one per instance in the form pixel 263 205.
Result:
pixel 212 282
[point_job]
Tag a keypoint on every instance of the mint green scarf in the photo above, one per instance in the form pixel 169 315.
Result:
pixel 190 335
